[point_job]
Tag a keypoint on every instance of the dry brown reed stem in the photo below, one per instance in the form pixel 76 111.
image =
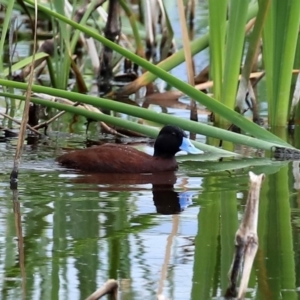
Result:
pixel 21 138
pixel 18 122
pixel 246 240
pixel 188 57
pixel 109 287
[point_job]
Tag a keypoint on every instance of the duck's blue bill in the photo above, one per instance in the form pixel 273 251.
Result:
pixel 189 147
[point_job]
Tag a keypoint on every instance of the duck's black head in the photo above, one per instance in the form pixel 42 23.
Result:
pixel 170 140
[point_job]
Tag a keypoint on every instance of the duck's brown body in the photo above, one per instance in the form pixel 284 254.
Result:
pixel 112 158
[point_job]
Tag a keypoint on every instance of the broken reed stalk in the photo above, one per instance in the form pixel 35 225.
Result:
pixel 15 171
pixel 109 287
pixel 188 57
pixel 18 122
pixel 246 240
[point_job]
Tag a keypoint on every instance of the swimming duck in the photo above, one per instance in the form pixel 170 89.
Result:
pixel 113 158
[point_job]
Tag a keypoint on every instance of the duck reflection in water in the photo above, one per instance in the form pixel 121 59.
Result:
pixel 165 198
pixel 168 201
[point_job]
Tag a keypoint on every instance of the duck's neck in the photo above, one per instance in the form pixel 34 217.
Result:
pixel 163 155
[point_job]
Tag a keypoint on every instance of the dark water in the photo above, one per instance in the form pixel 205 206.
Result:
pixel 171 234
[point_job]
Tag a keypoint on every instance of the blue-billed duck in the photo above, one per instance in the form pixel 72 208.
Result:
pixel 113 158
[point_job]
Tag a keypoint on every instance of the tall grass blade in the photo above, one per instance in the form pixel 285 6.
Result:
pixel 62 62
pixel 217 30
pixel 252 48
pixel 234 50
pixel 5 29
pixel 280 39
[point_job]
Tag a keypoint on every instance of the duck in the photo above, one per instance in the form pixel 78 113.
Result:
pixel 115 158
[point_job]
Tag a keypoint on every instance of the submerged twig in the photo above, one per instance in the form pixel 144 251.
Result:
pixel 110 287
pixel 18 122
pixel 246 240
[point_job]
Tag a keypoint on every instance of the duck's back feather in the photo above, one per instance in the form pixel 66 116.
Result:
pixel 113 158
